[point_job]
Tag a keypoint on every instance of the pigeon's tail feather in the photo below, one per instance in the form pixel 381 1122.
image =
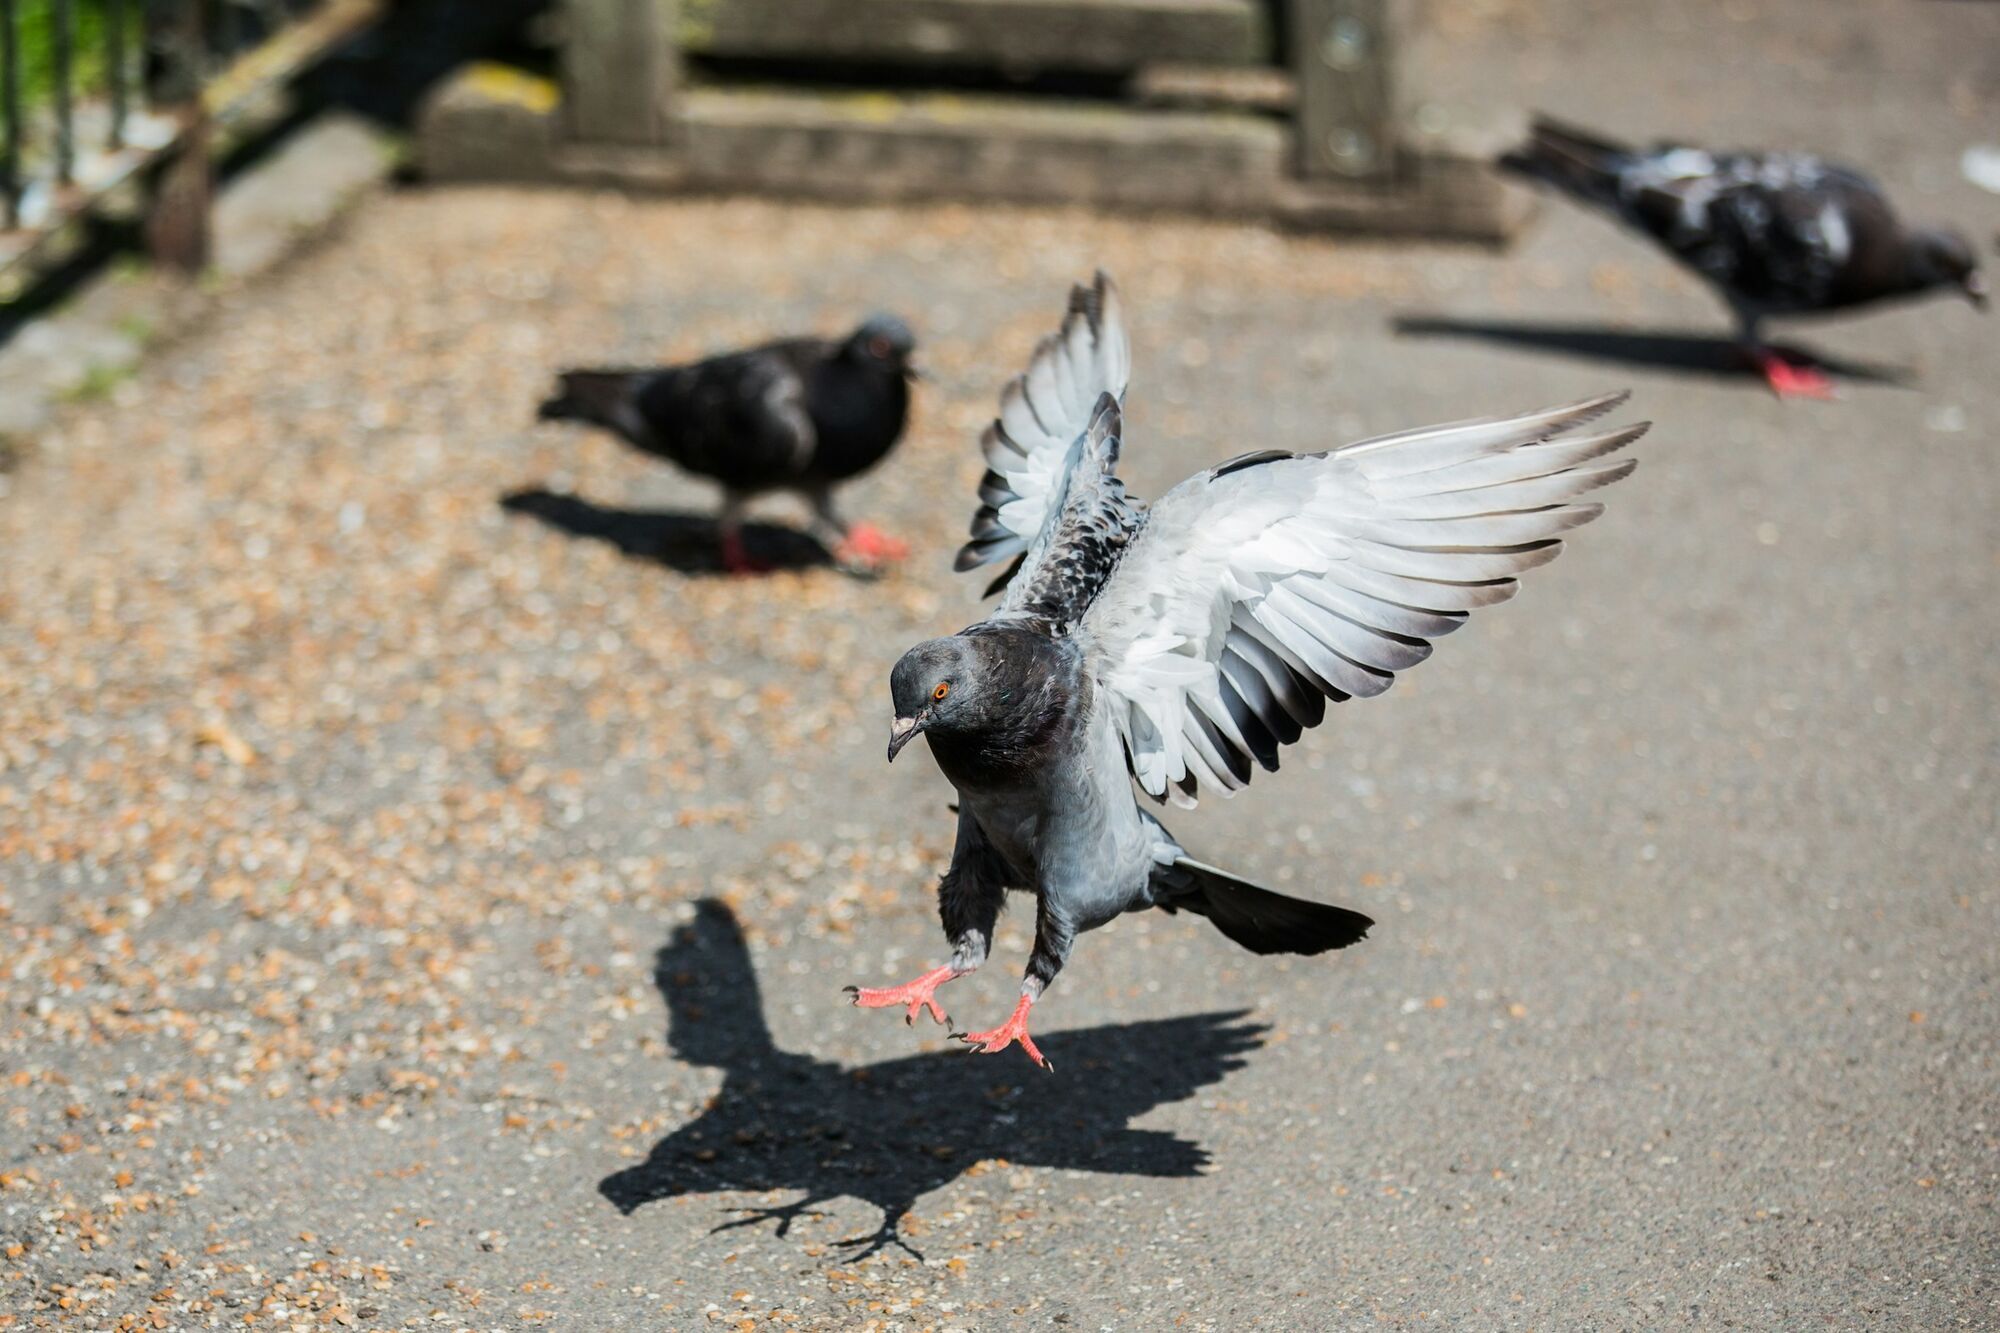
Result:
pixel 1258 919
pixel 1570 159
pixel 596 396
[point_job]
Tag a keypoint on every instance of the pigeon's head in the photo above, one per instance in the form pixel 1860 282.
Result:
pixel 1941 257
pixel 885 341
pixel 979 685
pixel 936 684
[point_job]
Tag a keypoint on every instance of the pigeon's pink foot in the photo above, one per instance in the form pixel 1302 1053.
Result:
pixel 1013 1030
pixel 866 544
pixel 1791 377
pixel 736 559
pixel 918 994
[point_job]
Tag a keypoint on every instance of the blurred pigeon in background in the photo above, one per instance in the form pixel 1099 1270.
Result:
pixel 1775 233
pixel 1179 644
pixel 800 414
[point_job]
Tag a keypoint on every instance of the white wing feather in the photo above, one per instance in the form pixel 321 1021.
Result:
pixel 1042 413
pixel 1251 593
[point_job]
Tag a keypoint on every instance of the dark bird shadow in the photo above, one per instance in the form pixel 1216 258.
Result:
pixel 889 1133
pixel 1701 354
pixel 685 542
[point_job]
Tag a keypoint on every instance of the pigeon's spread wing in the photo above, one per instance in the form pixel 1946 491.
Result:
pixel 1090 522
pixel 1044 412
pixel 1260 589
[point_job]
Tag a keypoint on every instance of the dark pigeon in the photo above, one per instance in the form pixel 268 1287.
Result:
pixel 1182 644
pixel 1775 233
pixel 801 414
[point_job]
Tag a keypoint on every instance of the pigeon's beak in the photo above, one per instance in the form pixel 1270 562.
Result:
pixel 901 732
pixel 912 371
pixel 1974 287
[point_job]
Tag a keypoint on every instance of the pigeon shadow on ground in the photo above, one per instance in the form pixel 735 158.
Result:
pixel 890 1133
pixel 685 542
pixel 1703 354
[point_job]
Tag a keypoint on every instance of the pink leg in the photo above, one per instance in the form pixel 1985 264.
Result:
pixel 1790 377
pixel 918 994
pixel 866 544
pixel 735 558
pixel 1013 1030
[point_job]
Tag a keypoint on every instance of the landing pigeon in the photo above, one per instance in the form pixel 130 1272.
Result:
pixel 1774 233
pixel 801 414
pixel 1181 643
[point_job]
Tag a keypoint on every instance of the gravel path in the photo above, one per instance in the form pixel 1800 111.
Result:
pixel 419 910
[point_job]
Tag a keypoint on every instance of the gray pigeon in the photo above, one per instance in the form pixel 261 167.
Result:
pixel 1774 233
pixel 1180 644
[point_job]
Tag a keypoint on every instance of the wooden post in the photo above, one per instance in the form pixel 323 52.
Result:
pixel 10 116
pixel 178 225
pixel 178 217
pixel 620 67
pixel 1343 55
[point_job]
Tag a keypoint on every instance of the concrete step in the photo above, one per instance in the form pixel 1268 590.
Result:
pixel 1113 36
pixel 875 147
pixel 884 147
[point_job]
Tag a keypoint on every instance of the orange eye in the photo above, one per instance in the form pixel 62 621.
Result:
pixel 879 346
pixel 941 691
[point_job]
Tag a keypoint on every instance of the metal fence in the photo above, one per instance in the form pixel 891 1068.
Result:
pixel 98 95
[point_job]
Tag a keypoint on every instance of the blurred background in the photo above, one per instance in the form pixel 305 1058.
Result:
pixel 1369 116
pixel 426 883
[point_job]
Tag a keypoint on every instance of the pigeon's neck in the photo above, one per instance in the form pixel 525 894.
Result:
pixel 1920 274
pixel 858 409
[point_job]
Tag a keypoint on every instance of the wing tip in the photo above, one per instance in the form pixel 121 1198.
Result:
pixel 1106 417
pixel 1585 410
pixel 1099 305
pixel 1619 471
pixel 1618 438
pixel 985 550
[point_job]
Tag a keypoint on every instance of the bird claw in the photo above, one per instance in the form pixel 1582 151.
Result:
pixel 1015 1029
pixel 1792 377
pixel 916 995
pixel 864 1246
pixel 866 549
pixel 784 1215
pixel 736 558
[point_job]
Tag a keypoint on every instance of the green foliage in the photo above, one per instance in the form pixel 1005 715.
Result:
pixel 36 20
pixel 98 382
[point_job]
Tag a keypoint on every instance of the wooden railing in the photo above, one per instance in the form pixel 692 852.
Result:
pixel 98 97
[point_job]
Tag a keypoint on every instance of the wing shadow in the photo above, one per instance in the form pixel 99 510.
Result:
pixel 1702 354
pixel 889 1133
pixel 685 542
